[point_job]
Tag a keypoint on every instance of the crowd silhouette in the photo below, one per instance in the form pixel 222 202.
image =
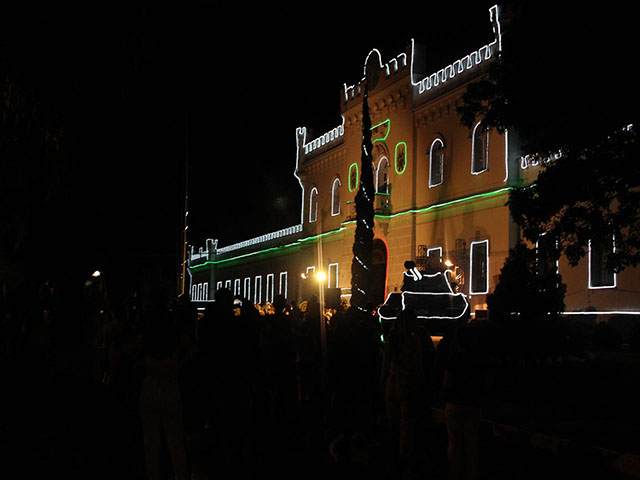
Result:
pixel 198 394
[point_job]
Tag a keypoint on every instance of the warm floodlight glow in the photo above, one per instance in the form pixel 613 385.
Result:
pixel 321 276
pixel 448 263
pixel 96 274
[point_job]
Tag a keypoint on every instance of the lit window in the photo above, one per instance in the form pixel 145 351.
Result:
pixel 547 254
pixel 599 275
pixel 194 293
pixel 479 267
pixel 257 291
pixel 333 275
pixel 282 290
pixel 199 294
pixel 311 271
pixel 401 157
pixel 434 254
pixel 236 287
pixel 247 288
pixel 480 149
pixel 382 176
pixel 269 293
pixel 219 286
pixel 205 291
pixel 436 162
pixel 313 205
pixel 335 197
pixel 354 177
pixel 227 284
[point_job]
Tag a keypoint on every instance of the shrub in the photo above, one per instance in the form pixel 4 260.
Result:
pixel 606 336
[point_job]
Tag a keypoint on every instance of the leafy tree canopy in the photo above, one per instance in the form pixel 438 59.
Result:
pixel 526 289
pixel 563 84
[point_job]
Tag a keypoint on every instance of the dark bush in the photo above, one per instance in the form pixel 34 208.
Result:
pixel 634 339
pixel 606 336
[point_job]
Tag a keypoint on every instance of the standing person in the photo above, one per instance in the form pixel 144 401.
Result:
pixel 403 377
pixel 228 339
pixel 165 351
pixel 463 386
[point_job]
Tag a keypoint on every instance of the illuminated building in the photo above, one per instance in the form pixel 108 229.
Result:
pixel 441 190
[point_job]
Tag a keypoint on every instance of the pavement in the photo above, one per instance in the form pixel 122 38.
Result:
pixel 506 452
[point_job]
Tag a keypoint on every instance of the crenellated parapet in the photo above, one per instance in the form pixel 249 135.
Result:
pixel 377 73
pixel 203 254
pixel 465 64
pixel 329 138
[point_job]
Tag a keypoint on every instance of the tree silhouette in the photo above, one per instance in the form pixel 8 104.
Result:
pixel 361 265
pixel 559 87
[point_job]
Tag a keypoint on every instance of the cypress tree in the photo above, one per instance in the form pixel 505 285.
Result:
pixel 361 268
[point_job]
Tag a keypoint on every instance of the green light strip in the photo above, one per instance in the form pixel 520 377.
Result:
pixel 388 121
pixel 297 243
pixel 494 193
pixel 353 188
pixel 404 167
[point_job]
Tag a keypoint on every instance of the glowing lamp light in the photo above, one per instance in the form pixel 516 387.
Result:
pixel 303 276
pixel 448 263
pixel 321 276
pixel 96 274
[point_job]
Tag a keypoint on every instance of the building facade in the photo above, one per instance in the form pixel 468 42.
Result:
pixel 441 193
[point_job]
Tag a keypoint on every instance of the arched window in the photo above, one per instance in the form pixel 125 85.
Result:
pixel 382 176
pixel 313 205
pixel 335 197
pixel 436 162
pixel 480 149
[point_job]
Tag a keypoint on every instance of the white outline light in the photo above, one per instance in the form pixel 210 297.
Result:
pixel 435 317
pixel 257 290
pixel 270 288
pixel 386 184
pixel 466 63
pixel 433 249
pixel 333 276
pixel 431 184
pixel 247 288
pixel 486 289
pixel 333 197
pixel 313 205
pixel 601 287
pixel 473 151
pixel 280 289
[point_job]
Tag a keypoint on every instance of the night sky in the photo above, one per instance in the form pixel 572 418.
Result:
pixel 275 70
pixel 137 88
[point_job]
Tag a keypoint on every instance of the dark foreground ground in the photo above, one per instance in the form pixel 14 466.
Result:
pixel 581 421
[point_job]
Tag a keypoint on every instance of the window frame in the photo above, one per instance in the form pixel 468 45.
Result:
pixel 334 276
pixel 247 288
pixel 257 290
pixel 603 268
pixel 280 292
pixel 313 205
pixel 335 203
pixel 485 150
pixel 385 160
pixel 432 183
pixel 472 277
pixel 270 290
